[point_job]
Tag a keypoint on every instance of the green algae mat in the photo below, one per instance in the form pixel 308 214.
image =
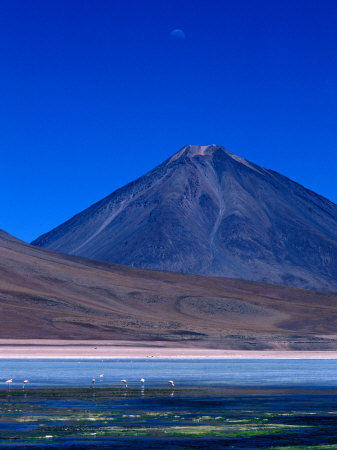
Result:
pixel 183 418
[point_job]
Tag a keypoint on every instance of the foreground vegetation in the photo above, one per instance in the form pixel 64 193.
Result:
pixel 178 419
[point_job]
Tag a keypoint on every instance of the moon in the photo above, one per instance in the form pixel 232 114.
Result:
pixel 178 34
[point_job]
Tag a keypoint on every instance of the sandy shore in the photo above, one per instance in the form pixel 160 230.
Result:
pixel 29 349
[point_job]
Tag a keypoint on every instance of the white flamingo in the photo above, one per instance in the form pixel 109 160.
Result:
pixel 171 382
pixel 142 380
pixel 93 381
pixel 125 383
pixel 24 383
pixel 9 382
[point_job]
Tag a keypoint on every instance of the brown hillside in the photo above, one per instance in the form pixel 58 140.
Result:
pixel 49 295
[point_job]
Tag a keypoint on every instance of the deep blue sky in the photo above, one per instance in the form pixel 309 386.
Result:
pixel 96 93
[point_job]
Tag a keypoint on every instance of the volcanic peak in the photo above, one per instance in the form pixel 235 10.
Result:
pixel 208 151
pixel 196 150
pixel 207 211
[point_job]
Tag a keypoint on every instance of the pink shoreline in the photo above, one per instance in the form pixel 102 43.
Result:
pixel 52 349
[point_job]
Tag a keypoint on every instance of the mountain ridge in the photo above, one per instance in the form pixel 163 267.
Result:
pixel 49 295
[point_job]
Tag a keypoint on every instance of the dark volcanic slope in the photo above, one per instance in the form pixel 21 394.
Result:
pixel 50 295
pixel 207 211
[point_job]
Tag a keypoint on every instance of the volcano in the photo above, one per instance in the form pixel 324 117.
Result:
pixel 207 211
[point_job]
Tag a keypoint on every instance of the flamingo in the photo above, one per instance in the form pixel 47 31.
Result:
pixel 101 376
pixel 142 380
pixel 9 382
pixel 125 383
pixel 93 381
pixel 171 382
pixel 24 383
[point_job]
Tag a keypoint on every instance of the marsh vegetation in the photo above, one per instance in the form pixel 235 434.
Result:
pixel 181 418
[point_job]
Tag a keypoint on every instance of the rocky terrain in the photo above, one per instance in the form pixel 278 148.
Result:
pixel 207 211
pixel 48 295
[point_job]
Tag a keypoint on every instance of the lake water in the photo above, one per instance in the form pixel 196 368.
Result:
pixel 246 404
pixel 231 372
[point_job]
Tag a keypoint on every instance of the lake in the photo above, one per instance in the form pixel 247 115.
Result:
pixel 279 404
pixel 229 372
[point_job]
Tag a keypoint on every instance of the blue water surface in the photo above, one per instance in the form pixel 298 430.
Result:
pixel 196 372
